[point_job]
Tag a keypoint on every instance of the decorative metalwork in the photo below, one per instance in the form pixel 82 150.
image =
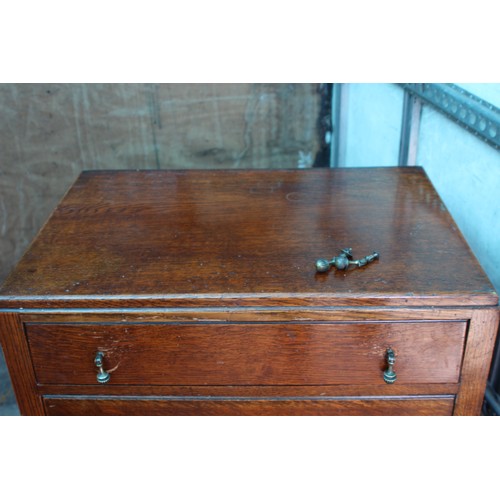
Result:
pixel 389 374
pixel 343 261
pixel 475 115
pixel 102 376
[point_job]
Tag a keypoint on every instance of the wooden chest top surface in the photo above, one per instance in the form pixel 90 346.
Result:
pixel 239 237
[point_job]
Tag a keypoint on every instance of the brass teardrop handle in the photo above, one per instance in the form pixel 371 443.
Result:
pixel 102 376
pixel 389 374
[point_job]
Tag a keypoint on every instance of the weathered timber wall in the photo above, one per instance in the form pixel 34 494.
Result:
pixel 50 132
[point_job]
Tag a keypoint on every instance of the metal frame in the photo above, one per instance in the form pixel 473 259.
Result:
pixel 477 116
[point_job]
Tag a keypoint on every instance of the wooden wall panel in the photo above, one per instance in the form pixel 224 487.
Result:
pixel 50 132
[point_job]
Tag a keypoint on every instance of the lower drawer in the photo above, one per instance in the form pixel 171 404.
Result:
pixel 417 406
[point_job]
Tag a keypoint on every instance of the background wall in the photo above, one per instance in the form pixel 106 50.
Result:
pixel 373 128
pixel 466 173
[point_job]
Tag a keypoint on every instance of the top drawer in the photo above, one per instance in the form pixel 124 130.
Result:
pixel 247 353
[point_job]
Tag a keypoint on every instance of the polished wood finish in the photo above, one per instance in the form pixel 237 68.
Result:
pixel 442 406
pixel 19 364
pixel 254 391
pixel 247 354
pixel 481 340
pixel 200 289
pixel 212 238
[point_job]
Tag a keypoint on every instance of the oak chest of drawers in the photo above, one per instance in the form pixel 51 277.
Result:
pixel 196 293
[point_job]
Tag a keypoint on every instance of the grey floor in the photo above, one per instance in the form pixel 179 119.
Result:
pixel 8 405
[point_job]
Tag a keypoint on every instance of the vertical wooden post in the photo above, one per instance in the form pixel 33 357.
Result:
pixel 17 357
pixel 480 342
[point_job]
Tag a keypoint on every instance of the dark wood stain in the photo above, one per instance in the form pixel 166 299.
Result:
pixel 20 367
pixel 247 354
pixel 200 289
pixel 352 407
pixel 253 391
pixel 248 237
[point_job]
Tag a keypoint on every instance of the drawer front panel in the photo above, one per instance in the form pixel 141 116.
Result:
pixel 401 406
pixel 247 354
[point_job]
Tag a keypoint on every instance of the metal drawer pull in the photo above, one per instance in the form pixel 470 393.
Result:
pixel 390 374
pixel 102 376
pixel 344 260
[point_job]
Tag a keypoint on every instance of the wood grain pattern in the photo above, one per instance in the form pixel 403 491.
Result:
pixel 200 289
pixel 247 354
pixel 10 303
pixel 242 238
pixel 442 406
pixel 246 314
pixel 18 361
pixel 254 391
pixel 480 342
pixel 51 132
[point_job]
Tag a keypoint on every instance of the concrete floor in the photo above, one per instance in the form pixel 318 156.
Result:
pixel 8 405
